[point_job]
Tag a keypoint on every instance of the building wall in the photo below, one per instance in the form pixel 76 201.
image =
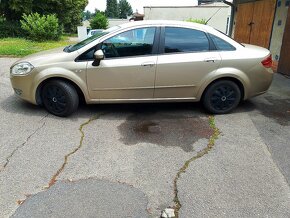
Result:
pixel 86 23
pixel 220 13
pixel 278 28
pixel 115 22
pixel 112 22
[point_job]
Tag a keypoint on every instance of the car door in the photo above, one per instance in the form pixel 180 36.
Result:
pixel 187 58
pixel 129 67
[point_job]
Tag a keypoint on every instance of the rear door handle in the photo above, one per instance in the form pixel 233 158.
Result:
pixel 210 60
pixel 148 64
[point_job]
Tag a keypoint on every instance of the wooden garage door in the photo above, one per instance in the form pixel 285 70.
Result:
pixel 254 22
pixel 243 20
pixel 284 61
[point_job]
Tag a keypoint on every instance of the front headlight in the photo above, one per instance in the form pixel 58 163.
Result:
pixel 21 69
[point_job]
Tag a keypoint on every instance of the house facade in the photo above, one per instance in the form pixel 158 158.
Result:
pixel 217 14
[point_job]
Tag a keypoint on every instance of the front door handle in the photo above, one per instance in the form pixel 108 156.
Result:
pixel 148 64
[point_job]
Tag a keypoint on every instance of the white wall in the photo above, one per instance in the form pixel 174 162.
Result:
pixel 115 22
pixel 278 30
pixel 219 20
pixel 82 33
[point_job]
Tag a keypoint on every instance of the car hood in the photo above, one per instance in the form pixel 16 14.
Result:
pixel 46 57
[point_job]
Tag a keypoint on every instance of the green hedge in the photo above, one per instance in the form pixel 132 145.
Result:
pixel 200 21
pixel 41 27
pixel 100 21
pixel 11 29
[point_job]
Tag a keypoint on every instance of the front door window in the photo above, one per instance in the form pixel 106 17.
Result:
pixel 135 42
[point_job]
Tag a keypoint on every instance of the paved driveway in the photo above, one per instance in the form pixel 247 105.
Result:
pixel 137 160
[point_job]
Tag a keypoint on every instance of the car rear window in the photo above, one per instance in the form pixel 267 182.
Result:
pixel 221 44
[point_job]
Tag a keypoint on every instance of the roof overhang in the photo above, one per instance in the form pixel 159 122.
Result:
pixel 235 2
pixel 242 1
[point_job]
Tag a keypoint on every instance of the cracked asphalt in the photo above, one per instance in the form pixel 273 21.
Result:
pixel 136 160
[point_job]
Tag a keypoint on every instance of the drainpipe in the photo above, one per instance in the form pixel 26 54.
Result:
pixel 232 15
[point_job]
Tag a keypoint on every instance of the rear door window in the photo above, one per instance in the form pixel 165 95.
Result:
pixel 185 40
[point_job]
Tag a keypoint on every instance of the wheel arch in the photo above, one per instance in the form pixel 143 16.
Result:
pixel 80 92
pixel 229 78
pixel 240 77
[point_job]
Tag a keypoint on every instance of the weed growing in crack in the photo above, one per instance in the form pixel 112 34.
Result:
pixel 201 153
pixel 66 157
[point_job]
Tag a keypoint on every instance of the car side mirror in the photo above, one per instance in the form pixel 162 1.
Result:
pixel 98 56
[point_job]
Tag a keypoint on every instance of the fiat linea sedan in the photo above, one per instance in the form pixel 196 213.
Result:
pixel 145 61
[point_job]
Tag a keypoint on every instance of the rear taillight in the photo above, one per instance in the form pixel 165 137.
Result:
pixel 268 62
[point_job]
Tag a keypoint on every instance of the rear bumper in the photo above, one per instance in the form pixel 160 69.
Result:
pixel 261 81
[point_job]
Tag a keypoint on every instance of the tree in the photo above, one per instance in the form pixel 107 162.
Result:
pixel 96 11
pixel 68 12
pixel 112 9
pixel 100 21
pixel 87 15
pixel 13 9
pixel 125 9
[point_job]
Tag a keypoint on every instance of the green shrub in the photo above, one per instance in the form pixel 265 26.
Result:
pixel 201 21
pixel 10 29
pixel 100 21
pixel 41 28
pixel 2 18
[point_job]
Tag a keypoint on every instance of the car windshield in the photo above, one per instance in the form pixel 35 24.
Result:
pixel 87 41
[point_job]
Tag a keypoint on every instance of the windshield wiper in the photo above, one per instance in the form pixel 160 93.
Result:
pixel 67 48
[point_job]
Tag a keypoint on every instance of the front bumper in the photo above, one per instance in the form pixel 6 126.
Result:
pixel 24 88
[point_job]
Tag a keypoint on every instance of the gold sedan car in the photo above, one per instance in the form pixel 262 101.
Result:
pixel 146 61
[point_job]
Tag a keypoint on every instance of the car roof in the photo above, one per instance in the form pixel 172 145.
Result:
pixel 165 23
pixel 125 26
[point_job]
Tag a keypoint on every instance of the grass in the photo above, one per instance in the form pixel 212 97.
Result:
pixel 206 150
pixel 70 34
pixel 18 47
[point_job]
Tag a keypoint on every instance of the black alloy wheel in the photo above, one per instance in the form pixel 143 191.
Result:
pixel 59 98
pixel 222 97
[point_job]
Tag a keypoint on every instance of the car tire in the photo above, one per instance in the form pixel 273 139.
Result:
pixel 221 97
pixel 60 98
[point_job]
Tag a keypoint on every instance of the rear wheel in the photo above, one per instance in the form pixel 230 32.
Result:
pixel 221 97
pixel 59 98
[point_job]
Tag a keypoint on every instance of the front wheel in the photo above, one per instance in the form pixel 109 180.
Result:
pixel 60 98
pixel 221 97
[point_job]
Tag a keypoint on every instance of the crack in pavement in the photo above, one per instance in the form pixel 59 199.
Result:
pixel 66 157
pixel 45 116
pixel 20 146
pixel 200 154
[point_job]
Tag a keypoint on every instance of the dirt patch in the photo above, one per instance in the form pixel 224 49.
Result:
pixel 165 130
